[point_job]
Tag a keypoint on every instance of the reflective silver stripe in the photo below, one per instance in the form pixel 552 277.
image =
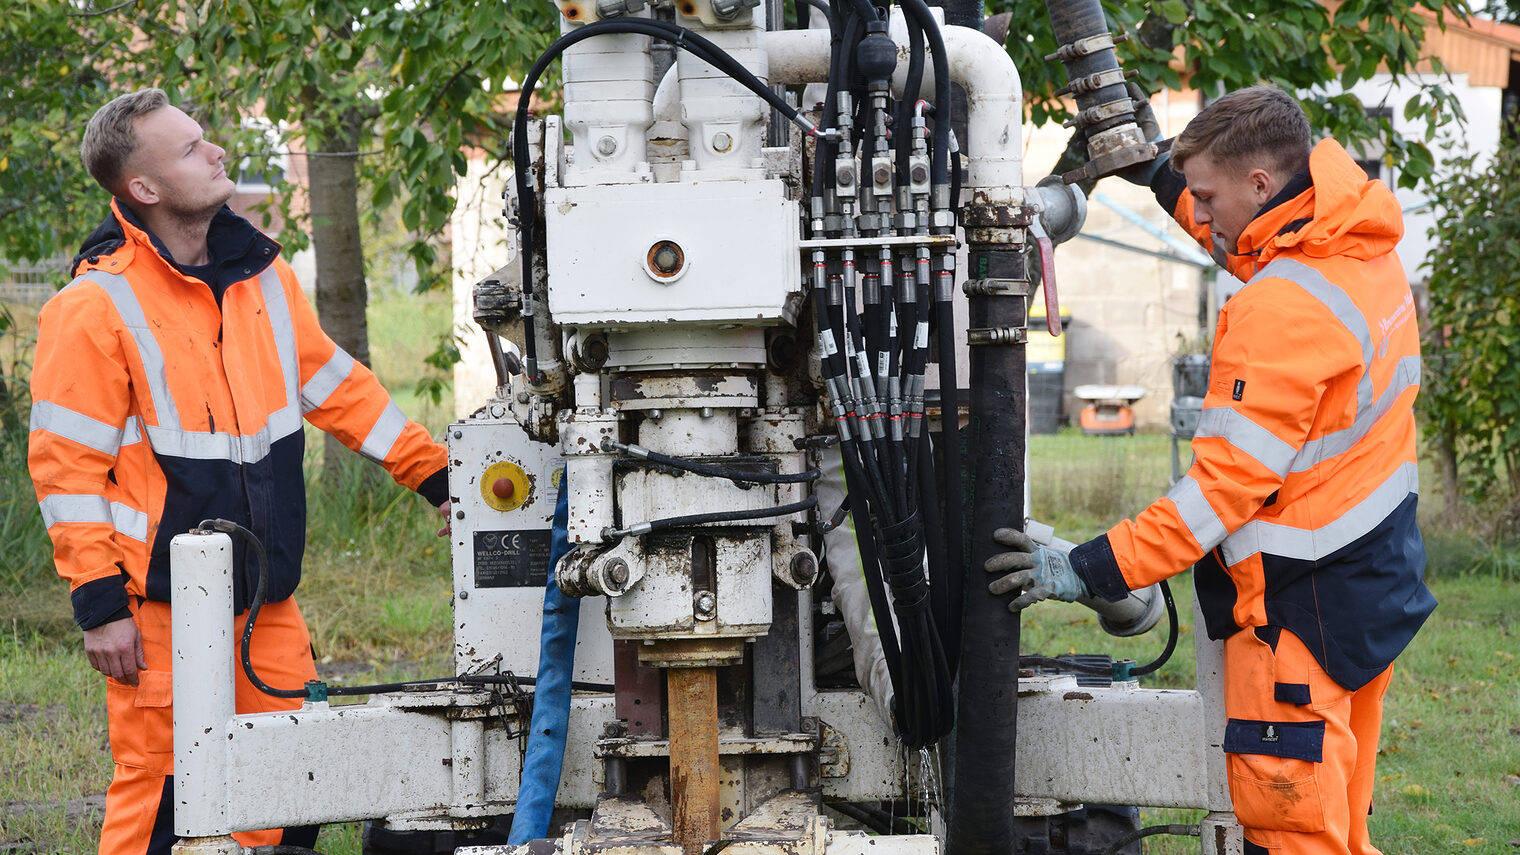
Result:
pixel 1340 305
pixel 1406 375
pixel 326 381
pixel 197 445
pixel 1196 513
pixel 65 508
pixel 132 434
pixel 377 445
pixel 78 427
pixel 1240 431
pixel 278 311
pixel 131 312
pixel 1312 545
pixel 130 522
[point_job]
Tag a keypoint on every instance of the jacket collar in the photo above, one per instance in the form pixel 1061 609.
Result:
pixel 238 250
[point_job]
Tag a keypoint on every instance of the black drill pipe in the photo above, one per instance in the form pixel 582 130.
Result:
pixel 982 792
pixel 1074 20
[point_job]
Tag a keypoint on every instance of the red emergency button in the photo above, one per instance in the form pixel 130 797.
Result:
pixel 503 488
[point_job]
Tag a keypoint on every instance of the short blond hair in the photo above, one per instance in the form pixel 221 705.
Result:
pixel 111 136
pixel 1253 125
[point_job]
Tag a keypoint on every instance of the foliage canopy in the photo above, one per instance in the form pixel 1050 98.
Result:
pixel 1471 384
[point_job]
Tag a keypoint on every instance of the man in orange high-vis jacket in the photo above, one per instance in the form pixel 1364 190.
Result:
pixel 1299 510
pixel 170 384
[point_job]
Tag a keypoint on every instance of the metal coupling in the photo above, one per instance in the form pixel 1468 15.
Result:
pixel 996 335
pixel 586 573
pixel 618 8
pixel 728 10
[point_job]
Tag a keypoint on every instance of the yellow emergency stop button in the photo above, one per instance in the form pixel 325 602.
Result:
pixel 505 486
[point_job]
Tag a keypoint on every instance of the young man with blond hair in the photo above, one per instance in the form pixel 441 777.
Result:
pixel 1298 514
pixel 170 384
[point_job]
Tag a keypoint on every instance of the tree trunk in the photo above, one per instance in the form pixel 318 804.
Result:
pixel 1451 475
pixel 341 291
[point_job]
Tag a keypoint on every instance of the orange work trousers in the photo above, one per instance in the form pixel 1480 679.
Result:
pixel 1300 749
pixel 139 817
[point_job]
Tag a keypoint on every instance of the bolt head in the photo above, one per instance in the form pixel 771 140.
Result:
pixel 722 142
pixel 606 146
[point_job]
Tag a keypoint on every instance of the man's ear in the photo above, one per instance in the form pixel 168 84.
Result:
pixel 1263 186
pixel 141 190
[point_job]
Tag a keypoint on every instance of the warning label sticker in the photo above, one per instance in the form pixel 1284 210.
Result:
pixel 511 559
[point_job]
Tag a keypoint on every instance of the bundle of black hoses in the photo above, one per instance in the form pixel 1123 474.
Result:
pixel 874 310
pixel 318 689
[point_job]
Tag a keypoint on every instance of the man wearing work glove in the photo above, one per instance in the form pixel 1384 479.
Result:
pixel 1038 572
pixel 1299 509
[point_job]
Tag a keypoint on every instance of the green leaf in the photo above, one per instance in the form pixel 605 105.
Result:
pixel 1175 11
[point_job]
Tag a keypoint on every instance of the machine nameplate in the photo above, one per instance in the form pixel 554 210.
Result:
pixel 511 559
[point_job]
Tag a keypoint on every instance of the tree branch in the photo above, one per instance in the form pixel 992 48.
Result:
pixel 95 13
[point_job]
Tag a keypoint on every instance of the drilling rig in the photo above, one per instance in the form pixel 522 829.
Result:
pixel 760 405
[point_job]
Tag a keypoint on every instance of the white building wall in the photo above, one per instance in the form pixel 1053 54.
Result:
pixel 482 243
pixel 1483 107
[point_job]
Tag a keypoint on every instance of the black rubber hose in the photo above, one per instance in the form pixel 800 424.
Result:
pixel 982 821
pixel 1171 636
pixel 938 164
pixel 260 591
pixel 912 84
pixel 727 516
pixel 1152 831
pixel 280 849
pixel 708 470
pixel 1074 20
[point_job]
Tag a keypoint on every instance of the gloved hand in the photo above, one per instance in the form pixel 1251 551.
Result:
pixel 1039 572
pixel 1145 118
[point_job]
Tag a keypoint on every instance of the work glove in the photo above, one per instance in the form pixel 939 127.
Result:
pixel 1038 572
pixel 1145 118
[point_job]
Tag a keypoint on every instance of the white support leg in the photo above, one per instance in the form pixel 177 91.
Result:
pixel 1221 832
pixel 204 699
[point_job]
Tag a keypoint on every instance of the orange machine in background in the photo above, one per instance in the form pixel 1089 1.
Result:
pixel 1110 409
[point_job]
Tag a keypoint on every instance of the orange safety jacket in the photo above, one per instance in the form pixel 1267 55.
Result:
pixel 161 399
pixel 1300 506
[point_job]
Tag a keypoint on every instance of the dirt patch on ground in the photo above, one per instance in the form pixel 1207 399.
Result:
pixel 89 809
pixel 18 714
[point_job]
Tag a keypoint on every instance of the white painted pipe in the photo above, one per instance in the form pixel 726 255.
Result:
pixel 204 693
pixel 994 92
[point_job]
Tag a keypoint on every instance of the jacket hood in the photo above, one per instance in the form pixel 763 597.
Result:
pixel 1343 214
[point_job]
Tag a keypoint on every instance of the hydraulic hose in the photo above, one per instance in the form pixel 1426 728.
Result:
pixel 1171 636
pixel 982 821
pixel 319 690
pixel 545 755
pixel 715 517
pixel 1152 831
